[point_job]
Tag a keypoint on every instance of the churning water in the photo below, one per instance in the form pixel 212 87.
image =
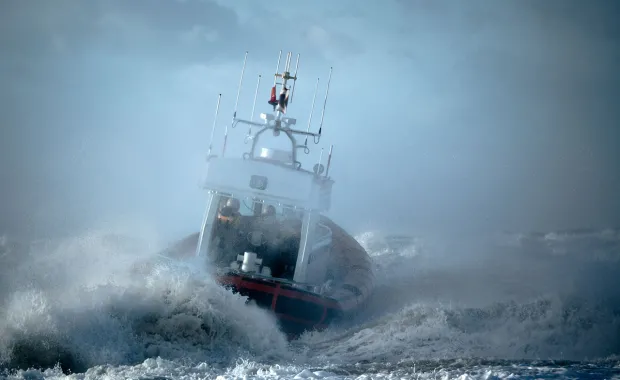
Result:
pixel 510 306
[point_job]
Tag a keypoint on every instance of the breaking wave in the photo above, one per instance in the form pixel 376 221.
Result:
pixel 484 304
pixel 87 305
pixel 81 305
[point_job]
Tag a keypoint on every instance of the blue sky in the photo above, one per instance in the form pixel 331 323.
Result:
pixel 445 115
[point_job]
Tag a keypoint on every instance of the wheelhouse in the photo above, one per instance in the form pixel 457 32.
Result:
pixel 269 213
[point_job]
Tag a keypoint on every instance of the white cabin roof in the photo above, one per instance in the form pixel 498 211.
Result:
pixel 269 181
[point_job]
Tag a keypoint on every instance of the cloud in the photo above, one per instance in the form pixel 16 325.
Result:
pixel 159 28
pixel 503 112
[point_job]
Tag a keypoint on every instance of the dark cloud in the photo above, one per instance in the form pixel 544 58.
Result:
pixel 169 30
pixel 176 32
pixel 528 98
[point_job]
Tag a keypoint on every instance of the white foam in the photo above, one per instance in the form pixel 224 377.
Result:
pixel 176 322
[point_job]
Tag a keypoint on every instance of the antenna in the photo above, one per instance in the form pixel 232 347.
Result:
pixel 276 122
pixel 329 159
pixel 236 104
pixel 325 103
pixel 318 167
pixel 245 59
pixel 255 95
pixel 254 104
pixel 273 101
pixel 295 81
pixel 275 78
pixel 217 110
pixel 282 103
pixel 316 89
pixel 287 65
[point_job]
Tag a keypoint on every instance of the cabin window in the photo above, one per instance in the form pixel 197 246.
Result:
pixel 270 229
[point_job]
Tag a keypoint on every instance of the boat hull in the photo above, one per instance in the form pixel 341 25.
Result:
pixel 346 288
pixel 296 310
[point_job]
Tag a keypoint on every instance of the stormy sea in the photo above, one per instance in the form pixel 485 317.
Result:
pixel 533 305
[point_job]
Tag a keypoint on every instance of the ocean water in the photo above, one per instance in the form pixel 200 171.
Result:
pixel 537 305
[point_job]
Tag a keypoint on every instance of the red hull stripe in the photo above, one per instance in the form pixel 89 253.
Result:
pixel 276 293
pixel 277 290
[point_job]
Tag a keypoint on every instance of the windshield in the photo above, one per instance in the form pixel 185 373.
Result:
pixel 271 230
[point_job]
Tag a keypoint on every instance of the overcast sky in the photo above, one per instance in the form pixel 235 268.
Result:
pixel 444 115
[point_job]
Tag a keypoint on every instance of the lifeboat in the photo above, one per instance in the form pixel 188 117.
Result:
pixel 264 233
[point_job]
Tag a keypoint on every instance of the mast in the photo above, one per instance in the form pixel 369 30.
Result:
pixel 279 100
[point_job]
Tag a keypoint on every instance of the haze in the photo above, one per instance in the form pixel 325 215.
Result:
pixel 477 115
